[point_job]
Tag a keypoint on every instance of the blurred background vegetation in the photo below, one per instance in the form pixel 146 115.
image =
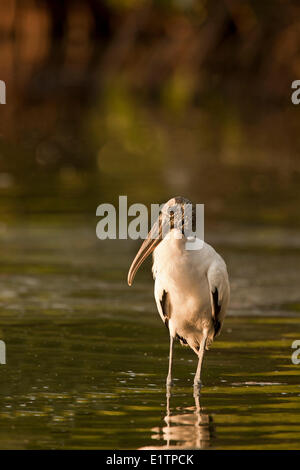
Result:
pixel 150 98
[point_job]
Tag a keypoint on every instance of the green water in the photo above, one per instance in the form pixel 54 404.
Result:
pixel 87 355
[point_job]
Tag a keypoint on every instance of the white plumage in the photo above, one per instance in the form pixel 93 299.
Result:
pixel 191 290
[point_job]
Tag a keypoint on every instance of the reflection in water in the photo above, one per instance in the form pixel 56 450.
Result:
pixel 191 429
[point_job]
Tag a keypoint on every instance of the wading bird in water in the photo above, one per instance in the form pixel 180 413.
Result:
pixel 191 285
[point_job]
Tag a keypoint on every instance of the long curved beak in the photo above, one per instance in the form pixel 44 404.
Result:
pixel 150 243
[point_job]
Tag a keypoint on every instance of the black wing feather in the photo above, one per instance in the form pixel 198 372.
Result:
pixel 217 309
pixel 166 307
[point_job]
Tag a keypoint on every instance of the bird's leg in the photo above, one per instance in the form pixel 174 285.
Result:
pixel 169 376
pixel 197 379
pixel 197 406
pixel 167 418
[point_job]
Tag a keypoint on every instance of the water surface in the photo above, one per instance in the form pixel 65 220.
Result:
pixel 87 356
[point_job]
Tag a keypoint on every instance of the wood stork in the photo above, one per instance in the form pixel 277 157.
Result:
pixel 191 286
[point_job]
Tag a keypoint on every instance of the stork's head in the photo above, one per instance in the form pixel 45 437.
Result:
pixel 176 214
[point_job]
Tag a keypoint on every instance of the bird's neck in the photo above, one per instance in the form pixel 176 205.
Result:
pixel 173 245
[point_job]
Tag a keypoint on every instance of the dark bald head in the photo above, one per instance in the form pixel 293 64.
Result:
pixel 182 214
